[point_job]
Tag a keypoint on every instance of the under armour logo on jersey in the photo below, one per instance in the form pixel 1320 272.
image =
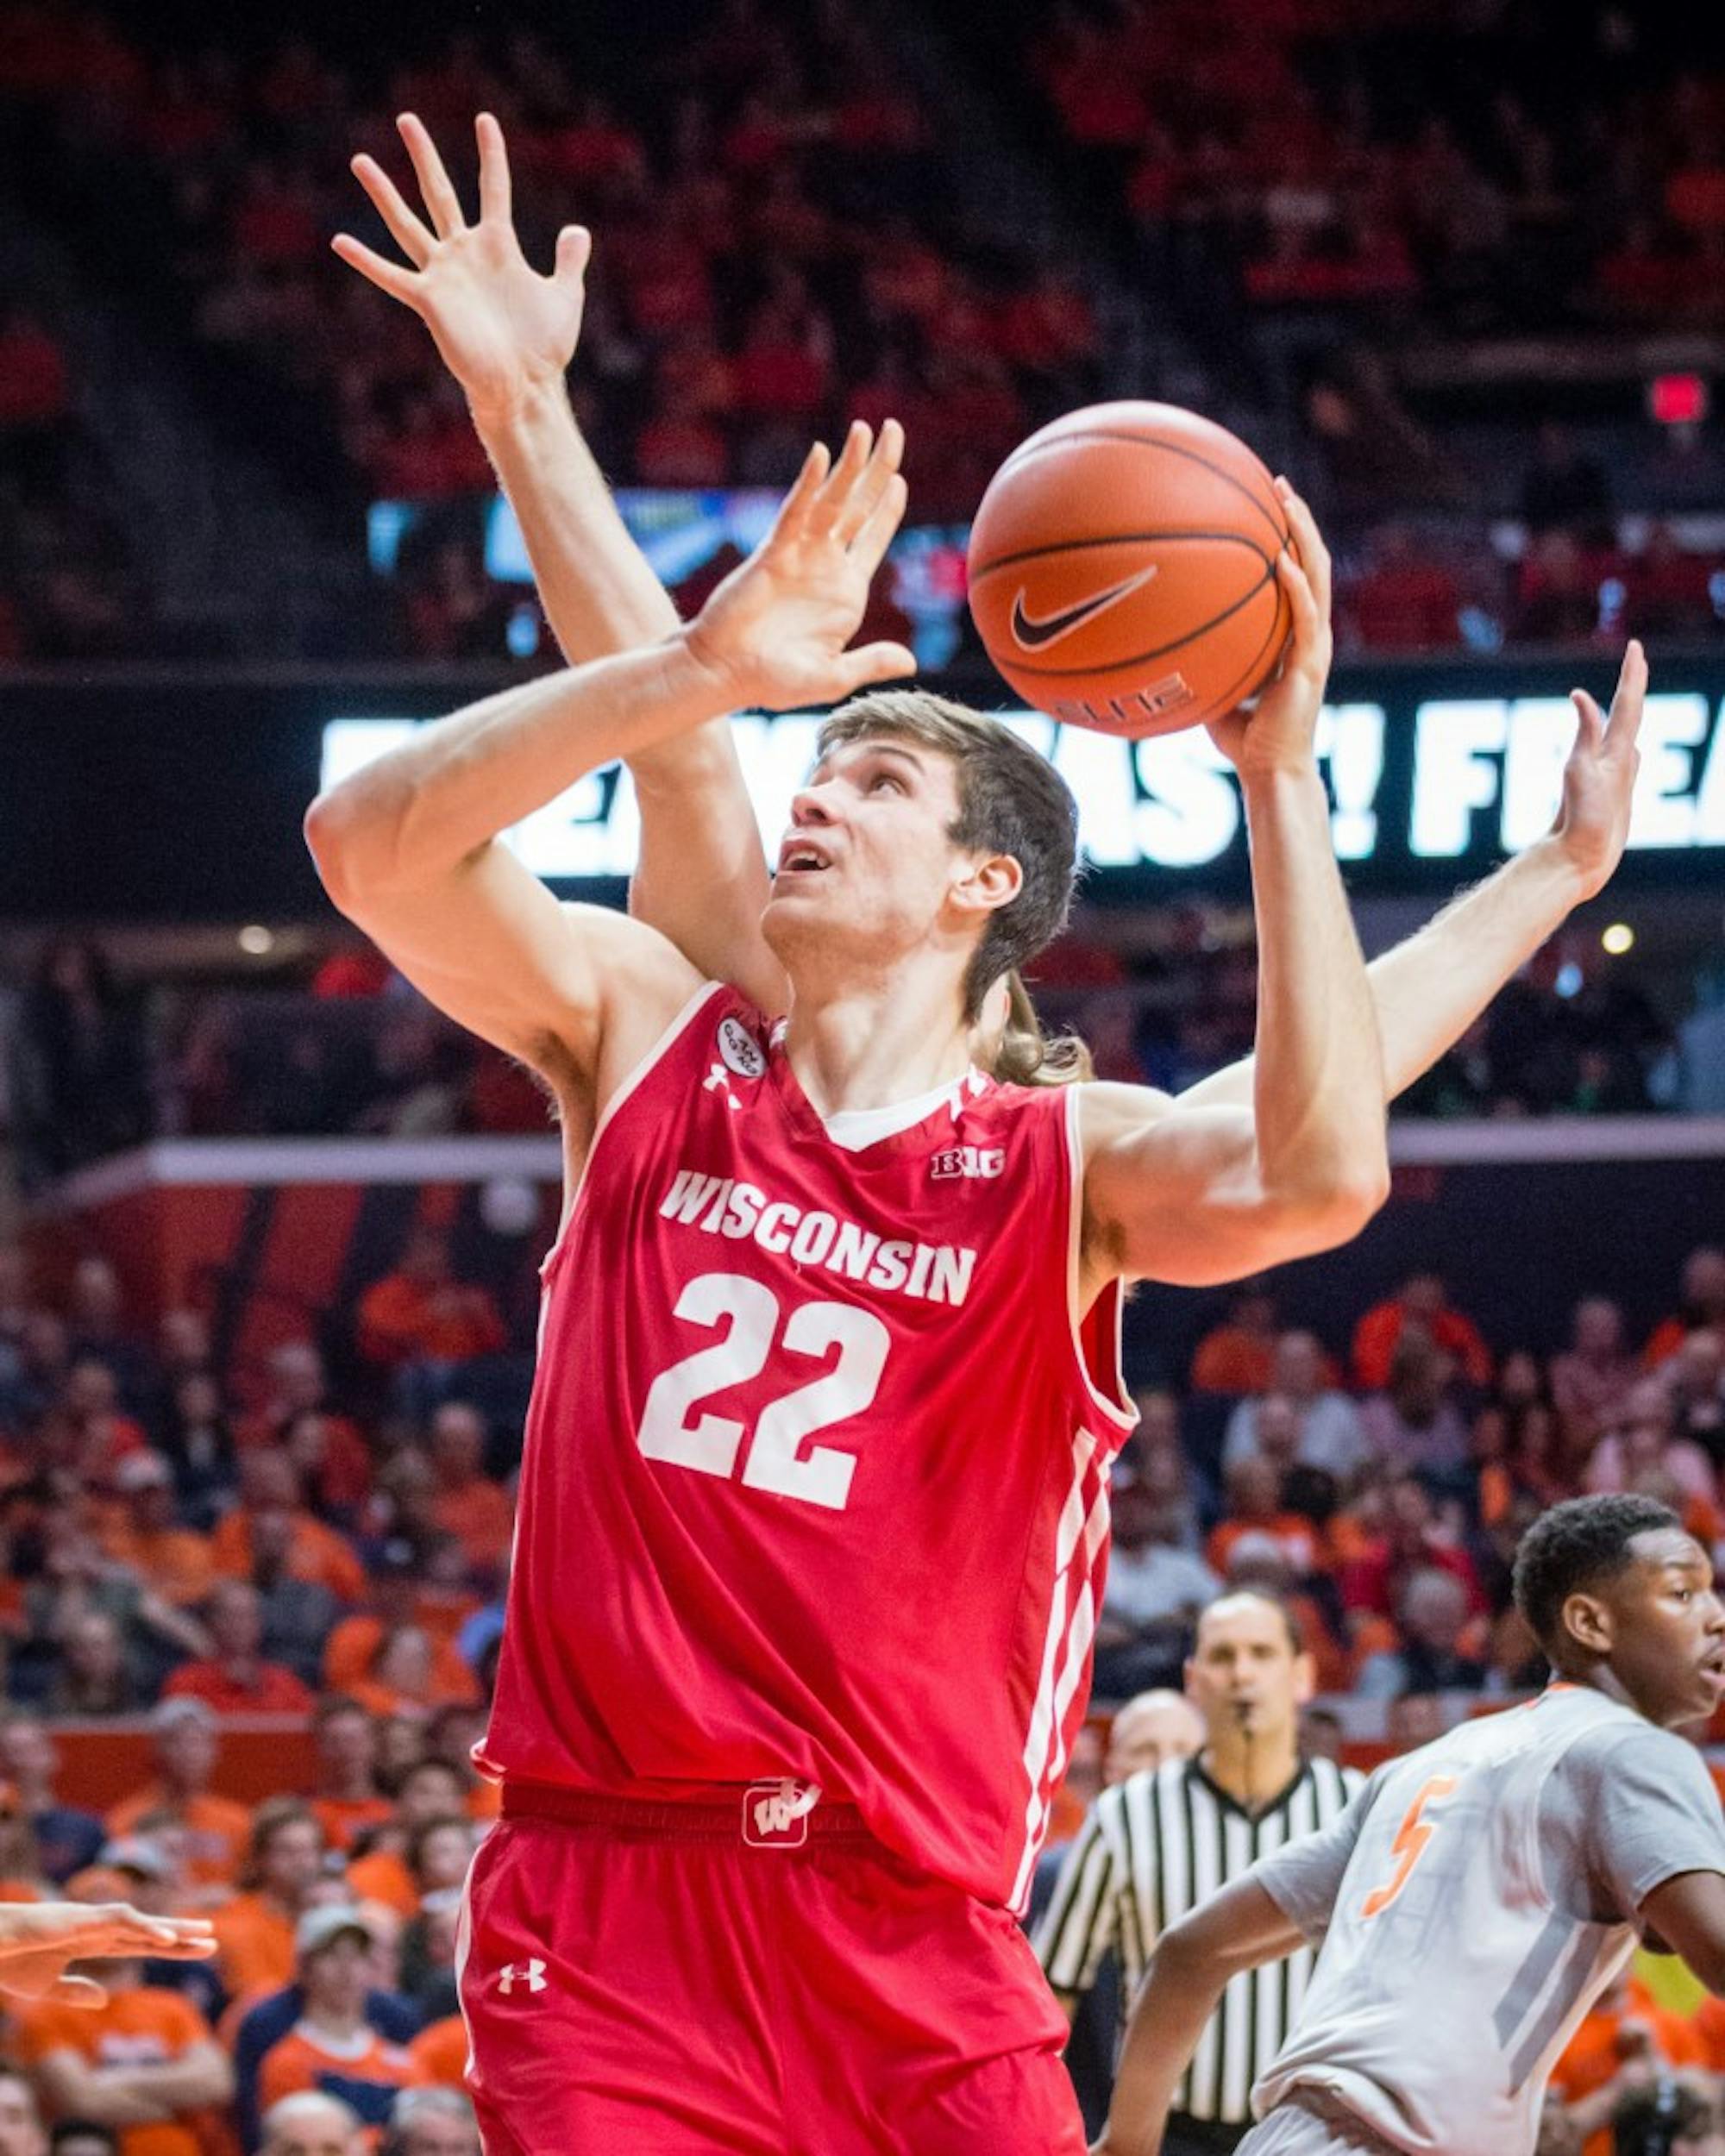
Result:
pixel 718 1080
pixel 975 1161
pixel 532 1974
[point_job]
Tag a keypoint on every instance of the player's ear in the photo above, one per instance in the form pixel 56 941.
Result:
pixel 1587 1620
pixel 989 883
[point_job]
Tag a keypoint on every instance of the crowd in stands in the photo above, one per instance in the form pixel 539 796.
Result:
pixel 343 1046
pixel 196 1545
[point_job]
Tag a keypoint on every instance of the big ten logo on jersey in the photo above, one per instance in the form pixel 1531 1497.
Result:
pixel 979 1163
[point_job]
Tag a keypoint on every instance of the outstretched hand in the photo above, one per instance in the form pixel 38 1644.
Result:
pixel 775 632
pixel 502 330
pixel 1280 730
pixel 38 1938
pixel 1592 827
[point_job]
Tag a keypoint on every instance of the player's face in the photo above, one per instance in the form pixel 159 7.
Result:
pixel 866 864
pixel 1244 1675
pixel 1667 1647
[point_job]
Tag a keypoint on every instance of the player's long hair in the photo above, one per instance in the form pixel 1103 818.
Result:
pixel 1013 801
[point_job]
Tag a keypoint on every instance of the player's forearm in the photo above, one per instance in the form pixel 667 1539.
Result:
pixel 1430 988
pixel 1180 1993
pixel 420 812
pixel 1318 1097
pixel 701 880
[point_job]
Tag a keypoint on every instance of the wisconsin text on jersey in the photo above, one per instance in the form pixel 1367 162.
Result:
pixel 722 1205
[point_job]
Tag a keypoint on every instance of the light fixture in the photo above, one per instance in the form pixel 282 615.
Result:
pixel 1618 938
pixel 256 941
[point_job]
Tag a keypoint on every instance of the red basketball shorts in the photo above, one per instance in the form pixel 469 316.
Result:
pixel 644 1981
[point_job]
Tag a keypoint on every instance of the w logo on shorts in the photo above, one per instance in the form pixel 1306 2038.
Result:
pixel 775 1814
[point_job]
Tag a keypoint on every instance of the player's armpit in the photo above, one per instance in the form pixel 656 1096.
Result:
pixel 1685 1916
pixel 574 991
pixel 1175 1193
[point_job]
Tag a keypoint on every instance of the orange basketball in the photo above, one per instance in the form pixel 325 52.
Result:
pixel 1123 570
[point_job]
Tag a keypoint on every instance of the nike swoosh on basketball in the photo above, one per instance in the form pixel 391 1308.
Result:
pixel 1033 634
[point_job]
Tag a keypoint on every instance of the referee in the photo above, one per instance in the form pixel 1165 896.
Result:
pixel 1160 1842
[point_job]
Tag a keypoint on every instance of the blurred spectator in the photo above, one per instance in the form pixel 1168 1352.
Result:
pixel 1626 2034
pixel 216 1831
pixel 1256 1507
pixel 334 1461
pixel 1409 1538
pixel 1328 1431
pixel 435 2122
pixel 95 1678
pixel 67 1838
pixel 143 1534
pixel 1414 1422
pixel 20 2118
pixel 333 2045
pixel 1150 1728
pixel 234 1678
pixel 1702 1305
pixel 1402 600
pixel 1239 1355
pixel 1422 1301
pixel 1154 1589
pixel 468 1506
pixel 1590 1379
pixel 299 1615
pixel 145 2060
pixel 269 1485
pixel 1432 1613
pixel 312 2124
pixel 346 1800
pixel 1645 1439
pixel 428 1790
pixel 79 1083
pixel 255 1931
pixel 198 1444
pixel 421 1322
pixel 397 1602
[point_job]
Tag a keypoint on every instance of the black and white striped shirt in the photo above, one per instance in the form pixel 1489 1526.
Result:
pixel 1150 1850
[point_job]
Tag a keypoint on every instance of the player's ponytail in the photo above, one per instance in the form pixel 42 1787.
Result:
pixel 1014 1048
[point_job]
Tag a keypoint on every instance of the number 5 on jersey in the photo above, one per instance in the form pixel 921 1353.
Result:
pixel 710 1443
pixel 1413 1838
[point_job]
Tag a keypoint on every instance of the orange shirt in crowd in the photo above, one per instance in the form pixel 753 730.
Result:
pixel 1376 1336
pixel 343 1818
pixel 317 1553
pixel 1228 1360
pixel 176 1561
pixel 275 1690
pixel 146 2026
pixel 480 1518
pixel 1595 2055
pixel 254 1944
pixel 485 1801
pixel 348 1657
pixel 384 1877
pixel 1709 2021
pixel 305 2059
pixel 401 1320
pixel 218 1831
pixel 441 2050
pixel 1298 1540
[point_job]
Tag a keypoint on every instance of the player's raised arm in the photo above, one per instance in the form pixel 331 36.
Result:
pixel 39 1939
pixel 1429 989
pixel 409 849
pixel 508 336
pixel 1209 1194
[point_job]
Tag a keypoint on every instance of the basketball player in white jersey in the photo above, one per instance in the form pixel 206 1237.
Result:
pixel 1480 1893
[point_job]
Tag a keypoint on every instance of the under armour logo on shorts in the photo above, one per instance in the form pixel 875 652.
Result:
pixel 775 1814
pixel 532 1974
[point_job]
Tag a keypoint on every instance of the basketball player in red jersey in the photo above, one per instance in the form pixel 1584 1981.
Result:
pixel 789 1674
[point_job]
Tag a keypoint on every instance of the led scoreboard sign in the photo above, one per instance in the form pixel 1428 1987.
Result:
pixel 1416 784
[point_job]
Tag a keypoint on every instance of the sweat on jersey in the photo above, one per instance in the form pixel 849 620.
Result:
pixel 1472 1903
pixel 816 1472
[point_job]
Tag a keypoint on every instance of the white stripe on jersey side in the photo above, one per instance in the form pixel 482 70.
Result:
pixel 1118 1408
pixel 1076 1514
pixel 1239 1848
pixel 655 1056
pixel 1081 1630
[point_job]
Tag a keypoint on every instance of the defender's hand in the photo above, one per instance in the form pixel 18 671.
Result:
pixel 1599 780
pixel 1278 732
pixel 775 632
pixel 504 330
pixel 38 1938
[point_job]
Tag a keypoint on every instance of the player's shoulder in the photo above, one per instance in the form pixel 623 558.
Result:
pixel 1110 1112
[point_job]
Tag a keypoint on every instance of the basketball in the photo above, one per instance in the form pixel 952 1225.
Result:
pixel 1122 570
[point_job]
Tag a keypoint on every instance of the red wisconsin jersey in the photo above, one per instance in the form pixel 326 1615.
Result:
pixel 816 1474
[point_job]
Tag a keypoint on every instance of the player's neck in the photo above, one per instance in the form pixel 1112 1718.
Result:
pixel 1253 1771
pixel 873 1046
